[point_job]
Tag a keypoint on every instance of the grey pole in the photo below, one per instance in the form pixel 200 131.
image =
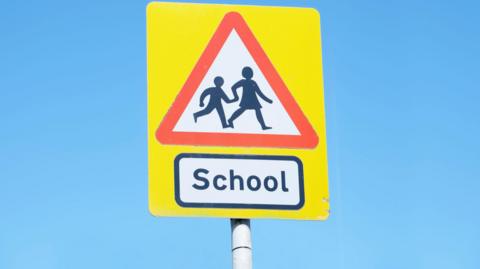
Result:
pixel 241 244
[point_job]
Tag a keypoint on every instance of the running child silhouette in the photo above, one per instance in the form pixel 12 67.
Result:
pixel 215 101
pixel 249 98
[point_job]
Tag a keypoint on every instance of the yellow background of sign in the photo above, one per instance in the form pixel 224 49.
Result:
pixel 177 34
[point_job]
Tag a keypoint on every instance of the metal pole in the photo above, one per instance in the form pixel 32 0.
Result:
pixel 241 244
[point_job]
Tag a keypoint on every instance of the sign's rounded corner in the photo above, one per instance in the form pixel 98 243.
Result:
pixel 325 216
pixel 297 160
pixel 315 12
pixel 301 203
pixel 179 201
pixel 152 5
pixel 179 157
pixel 151 209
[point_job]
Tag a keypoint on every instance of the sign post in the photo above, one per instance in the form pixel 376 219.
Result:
pixel 241 244
pixel 236 120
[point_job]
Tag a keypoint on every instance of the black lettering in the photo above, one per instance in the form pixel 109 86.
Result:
pixel 272 179
pixel 197 176
pixel 232 180
pixel 215 182
pixel 258 184
pixel 284 182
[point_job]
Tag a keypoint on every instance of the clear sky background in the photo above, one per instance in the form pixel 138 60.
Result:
pixel 403 115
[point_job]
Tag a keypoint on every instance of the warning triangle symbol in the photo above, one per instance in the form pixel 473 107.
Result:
pixel 235 97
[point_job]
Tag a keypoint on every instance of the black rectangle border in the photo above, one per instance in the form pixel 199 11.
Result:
pixel 234 205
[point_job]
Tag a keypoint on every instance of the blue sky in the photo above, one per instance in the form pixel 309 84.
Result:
pixel 402 94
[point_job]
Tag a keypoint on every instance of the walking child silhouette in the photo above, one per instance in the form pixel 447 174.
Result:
pixel 249 98
pixel 215 101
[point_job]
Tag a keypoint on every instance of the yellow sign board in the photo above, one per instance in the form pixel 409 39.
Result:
pixel 236 123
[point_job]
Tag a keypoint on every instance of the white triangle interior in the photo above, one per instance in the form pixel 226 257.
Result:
pixel 230 61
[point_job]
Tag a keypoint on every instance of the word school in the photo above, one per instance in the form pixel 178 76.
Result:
pixel 254 183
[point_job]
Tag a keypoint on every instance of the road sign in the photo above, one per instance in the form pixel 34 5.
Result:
pixel 235 112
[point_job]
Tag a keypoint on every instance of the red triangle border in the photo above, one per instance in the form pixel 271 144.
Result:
pixel 233 20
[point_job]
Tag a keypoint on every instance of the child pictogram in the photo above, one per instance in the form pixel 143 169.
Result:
pixel 216 95
pixel 249 98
